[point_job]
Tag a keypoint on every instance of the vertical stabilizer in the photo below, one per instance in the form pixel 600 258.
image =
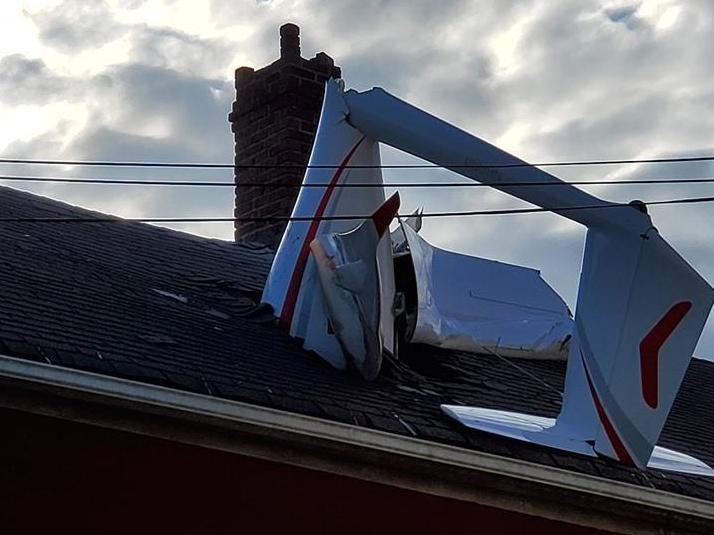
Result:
pixel 641 310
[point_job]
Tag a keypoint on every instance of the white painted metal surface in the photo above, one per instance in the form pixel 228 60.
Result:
pixel 392 121
pixel 544 431
pixel 474 304
pixel 399 239
pixel 292 287
pixel 358 291
pixel 641 309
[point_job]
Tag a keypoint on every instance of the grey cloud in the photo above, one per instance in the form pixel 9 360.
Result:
pixel 624 127
pixel 127 98
pixel 195 108
pixel 44 144
pixel 387 45
pixel 75 25
pixel 626 15
pixel 124 99
pixel 167 47
pixel 25 80
pixel 601 89
pixel 621 14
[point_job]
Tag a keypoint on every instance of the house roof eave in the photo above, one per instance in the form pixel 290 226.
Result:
pixel 345 449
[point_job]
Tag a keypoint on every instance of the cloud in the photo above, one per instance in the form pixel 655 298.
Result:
pixel 161 106
pixel 545 80
pixel 189 111
pixel 624 15
pixel 25 80
pixel 145 113
pixel 167 47
pixel 75 25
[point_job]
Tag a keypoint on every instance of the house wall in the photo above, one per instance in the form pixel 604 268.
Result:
pixel 274 120
pixel 70 477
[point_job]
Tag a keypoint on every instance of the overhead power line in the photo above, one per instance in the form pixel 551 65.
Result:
pixel 209 165
pixel 506 211
pixel 275 185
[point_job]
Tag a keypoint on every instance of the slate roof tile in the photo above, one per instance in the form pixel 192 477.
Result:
pixel 84 296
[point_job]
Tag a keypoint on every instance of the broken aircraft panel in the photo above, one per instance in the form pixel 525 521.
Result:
pixel 357 289
pixel 483 306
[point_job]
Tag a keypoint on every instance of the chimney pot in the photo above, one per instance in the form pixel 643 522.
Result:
pixel 243 74
pixel 323 59
pixel 289 41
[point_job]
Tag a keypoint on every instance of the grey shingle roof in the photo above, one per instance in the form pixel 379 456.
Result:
pixel 163 307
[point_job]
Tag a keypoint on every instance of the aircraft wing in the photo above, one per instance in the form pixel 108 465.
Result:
pixel 484 306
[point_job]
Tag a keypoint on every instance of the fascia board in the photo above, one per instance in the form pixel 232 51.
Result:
pixel 222 412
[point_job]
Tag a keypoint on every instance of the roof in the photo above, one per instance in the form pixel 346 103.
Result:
pixel 163 307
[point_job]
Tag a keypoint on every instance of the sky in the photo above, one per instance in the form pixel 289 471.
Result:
pixel 548 81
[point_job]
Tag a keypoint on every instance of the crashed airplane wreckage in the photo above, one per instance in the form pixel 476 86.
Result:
pixel 352 292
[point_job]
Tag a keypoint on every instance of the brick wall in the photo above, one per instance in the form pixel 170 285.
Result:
pixel 274 119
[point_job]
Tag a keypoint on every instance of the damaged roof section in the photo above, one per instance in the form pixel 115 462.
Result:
pixel 163 307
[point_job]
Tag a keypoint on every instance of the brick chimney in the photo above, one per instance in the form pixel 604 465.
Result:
pixel 274 119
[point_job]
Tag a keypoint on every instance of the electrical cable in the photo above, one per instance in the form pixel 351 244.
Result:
pixel 507 211
pixel 270 185
pixel 209 165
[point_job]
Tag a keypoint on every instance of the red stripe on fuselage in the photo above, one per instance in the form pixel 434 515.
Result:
pixel 286 316
pixel 620 450
pixel 649 350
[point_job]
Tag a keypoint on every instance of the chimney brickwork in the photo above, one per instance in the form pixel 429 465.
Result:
pixel 274 120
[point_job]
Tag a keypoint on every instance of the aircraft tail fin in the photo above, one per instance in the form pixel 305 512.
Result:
pixel 641 309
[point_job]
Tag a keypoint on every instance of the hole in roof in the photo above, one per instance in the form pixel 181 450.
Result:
pixel 430 362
